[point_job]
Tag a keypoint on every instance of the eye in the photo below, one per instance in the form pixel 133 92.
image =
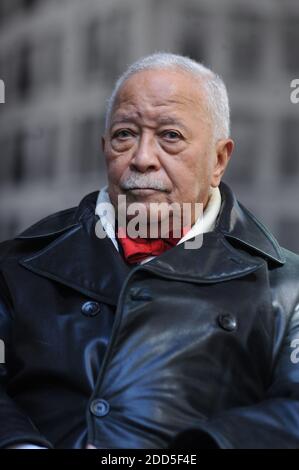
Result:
pixel 122 134
pixel 171 135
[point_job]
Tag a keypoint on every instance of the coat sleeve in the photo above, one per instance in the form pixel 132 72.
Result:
pixel 270 424
pixel 15 427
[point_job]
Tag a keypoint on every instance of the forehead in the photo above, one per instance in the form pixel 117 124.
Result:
pixel 153 92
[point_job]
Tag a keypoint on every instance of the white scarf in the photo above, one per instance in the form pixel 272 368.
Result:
pixel 203 224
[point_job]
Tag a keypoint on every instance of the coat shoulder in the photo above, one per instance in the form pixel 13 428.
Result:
pixel 45 230
pixel 291 264
pixel 51 224
pixel 284 281
pixel 40 232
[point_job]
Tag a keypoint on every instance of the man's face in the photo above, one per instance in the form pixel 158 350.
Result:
pixel 160 145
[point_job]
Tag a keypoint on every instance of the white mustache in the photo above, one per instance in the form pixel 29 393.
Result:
pixel 139 181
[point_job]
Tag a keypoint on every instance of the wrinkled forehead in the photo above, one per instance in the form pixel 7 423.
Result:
pixel 160 89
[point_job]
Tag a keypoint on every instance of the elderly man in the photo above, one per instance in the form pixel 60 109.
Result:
pixel 119 341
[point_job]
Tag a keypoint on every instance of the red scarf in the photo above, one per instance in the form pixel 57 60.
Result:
pixel 138 249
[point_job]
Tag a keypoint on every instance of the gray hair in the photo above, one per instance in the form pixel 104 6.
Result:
pixel 216 92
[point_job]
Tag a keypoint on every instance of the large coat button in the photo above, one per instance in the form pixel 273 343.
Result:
pixel 90 308
pixel 227 321
pixel 99 407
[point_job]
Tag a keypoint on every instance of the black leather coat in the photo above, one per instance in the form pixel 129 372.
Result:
pixel 122 357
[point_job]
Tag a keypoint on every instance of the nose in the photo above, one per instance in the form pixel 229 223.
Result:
pixel 145 156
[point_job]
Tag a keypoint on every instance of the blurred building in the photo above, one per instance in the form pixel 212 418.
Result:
pixel 59 59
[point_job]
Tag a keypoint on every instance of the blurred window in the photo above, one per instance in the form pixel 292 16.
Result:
pixel 40 153
pixel 87 145
pixel 23 71
pixel 7 144
pixel 289 148
pixel 8 227
pixel 8 8
pixel 246 130
pixel 246 40
pixel 288 230
pixel 28 156
pixel 47 62
pixel 106 45
pixel 194 34
pixel 290 41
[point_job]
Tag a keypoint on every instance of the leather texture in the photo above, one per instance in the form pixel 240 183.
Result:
pixel 191 349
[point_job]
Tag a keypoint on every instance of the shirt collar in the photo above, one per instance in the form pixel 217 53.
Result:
pixel 203 224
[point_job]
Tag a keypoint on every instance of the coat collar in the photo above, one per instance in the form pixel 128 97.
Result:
pixel 239 225
pixel 74 256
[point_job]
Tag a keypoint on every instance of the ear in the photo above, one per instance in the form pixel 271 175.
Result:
pixel 103 141
pixel 224 150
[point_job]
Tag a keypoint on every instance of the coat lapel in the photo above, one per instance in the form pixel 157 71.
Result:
pixel 75 257
pixel 238 245
pixel 243 229
pixel 215 261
